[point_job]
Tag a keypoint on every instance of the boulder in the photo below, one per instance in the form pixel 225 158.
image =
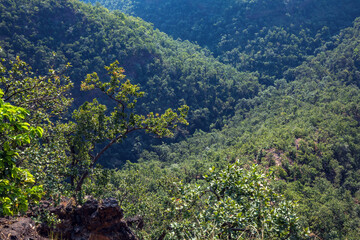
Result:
pixel 93 220
pixel 19 229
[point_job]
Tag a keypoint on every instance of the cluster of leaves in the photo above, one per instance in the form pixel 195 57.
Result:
pixel 47 100
pixel 95 129
pixel 17 187
pixel 238 201
pixel 234 203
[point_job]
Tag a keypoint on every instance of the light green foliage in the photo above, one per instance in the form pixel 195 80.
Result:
pixel 126 95
pixel 44 96
pixel 97 129
pixel 234 203
pixel 16 184
pixel 47 100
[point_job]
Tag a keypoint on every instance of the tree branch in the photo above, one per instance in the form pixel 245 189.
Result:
pixel 119 102
pixel 98 155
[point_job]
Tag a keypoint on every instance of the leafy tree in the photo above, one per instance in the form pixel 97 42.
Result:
pixel 97 129
pixel 234 203
pixel 17 187
pixel 47 99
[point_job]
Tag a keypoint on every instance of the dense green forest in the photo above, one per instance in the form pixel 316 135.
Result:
pixel 172 72
pixel 264 118
pixel 260 36
pixel 307 130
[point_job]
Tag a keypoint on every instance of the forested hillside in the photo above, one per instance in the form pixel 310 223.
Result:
pixel 263 114
pixel 53 33
pixel 306 129
pixel 258 35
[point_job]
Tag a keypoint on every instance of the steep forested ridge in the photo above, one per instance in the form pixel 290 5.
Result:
pixel 260 35
pixel 273 146
pixel 52 33
pixel 89 38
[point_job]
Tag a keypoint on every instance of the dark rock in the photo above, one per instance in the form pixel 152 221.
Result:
pixel 108 213
pixel 93 220
pixel 19 229
pixel 117 231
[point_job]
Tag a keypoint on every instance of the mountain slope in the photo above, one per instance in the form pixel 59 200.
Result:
pixel 52 33
pixel 259 35
pixel 91 37
pixel 307 130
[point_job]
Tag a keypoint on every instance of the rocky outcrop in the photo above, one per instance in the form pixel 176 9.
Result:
pixel 93 220
pixel 18 229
